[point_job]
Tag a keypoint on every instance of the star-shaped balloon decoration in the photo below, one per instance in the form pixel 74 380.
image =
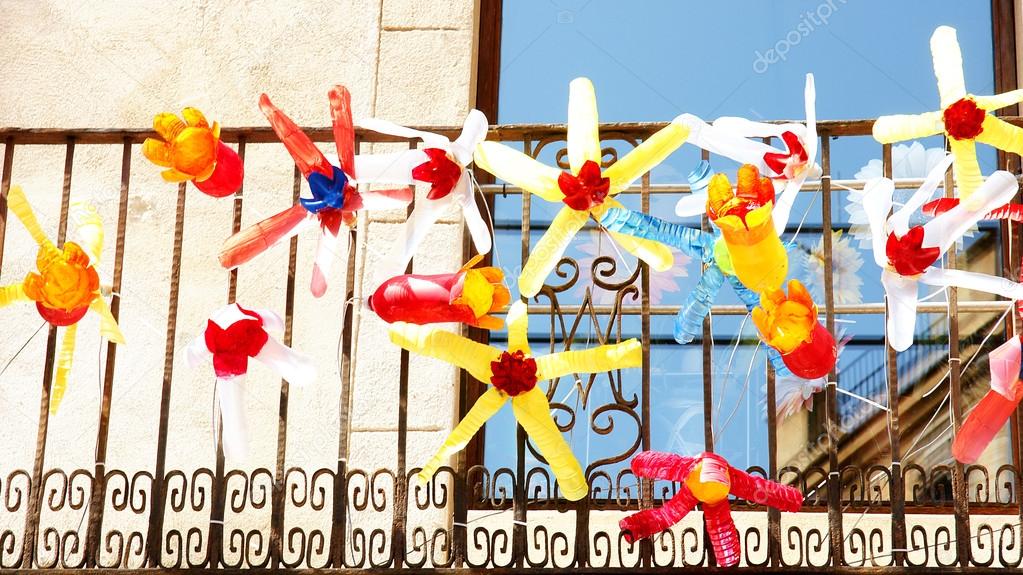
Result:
pixel 335 198
pixel 994 409
pixel 191 150
pixel 66 285
pixel 706 480
pixel 513 375
pixel 788 168
pixel 443 165
pixel 963 118
pixel 586 191
pixel 906 254
pixel 234 334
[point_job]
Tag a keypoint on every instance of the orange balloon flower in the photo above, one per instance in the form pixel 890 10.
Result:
pixel 747 228
pixel 66 280
pixel 192 150
pixel 788 323
pixel 66 286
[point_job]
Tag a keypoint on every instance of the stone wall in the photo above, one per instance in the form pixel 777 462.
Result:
pixel 114 65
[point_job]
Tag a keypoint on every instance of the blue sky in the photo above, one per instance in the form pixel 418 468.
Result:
pixel 655 59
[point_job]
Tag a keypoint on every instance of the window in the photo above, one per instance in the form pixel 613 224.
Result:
pixel 651 61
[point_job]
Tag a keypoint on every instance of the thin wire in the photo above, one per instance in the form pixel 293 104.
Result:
pixel 742 395
pixel 21 349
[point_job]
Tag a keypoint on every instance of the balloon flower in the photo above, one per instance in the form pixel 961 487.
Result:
pixel 698 244
pixel 586 191
pixel 513 375
pixel 744 218
pixel 906 254
pixel 789 167
pixel 335 200
pixel 234 334
pixel 66 284
pixel 467 296
pixel 442 164
pixel 706 479
pixel 788 324
pixel 963 118
pixel 192 151
pixel 994 409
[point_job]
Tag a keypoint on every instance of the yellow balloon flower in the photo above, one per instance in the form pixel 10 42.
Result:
pixel 963 117
pixel 67 285
pixel 586 191
pixel 513 375
pixel 755 252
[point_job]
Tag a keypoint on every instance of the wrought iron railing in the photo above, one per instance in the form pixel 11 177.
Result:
pixel 473 516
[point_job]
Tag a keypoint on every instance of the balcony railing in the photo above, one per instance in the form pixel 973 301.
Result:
pixel 889 514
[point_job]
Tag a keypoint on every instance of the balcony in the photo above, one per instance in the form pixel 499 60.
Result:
pixel 875 500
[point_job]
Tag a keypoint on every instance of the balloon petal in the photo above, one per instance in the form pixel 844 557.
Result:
pixel 999 101
pixel 650 522
pixel 656 254
pixel 658 465
pixel 948 65
pixel 485 407
pixel 343 128
pixel 628 353
pixel 899 221
pixel 519 170
pixel 645 156
pixel 548 251
pixel 65 358
pixel 395 168
pixel 157 151
pixel 877 203
pixel 18 203
pixel 1002 135
pixel 197 352
pixel 332 246
pixel 231 397
pixel 518 331
pixel 583 140
pixel 945 229
pixel 899 127
pixel 307 156
pixel 479 231
pixel 474 131
pixel 12 293
pixel 108 327
pixel 259 237
pixel 293 367
pixel 533 412
pixel 974 281
pixel 902 303
pixel 967 170
pixel 459 351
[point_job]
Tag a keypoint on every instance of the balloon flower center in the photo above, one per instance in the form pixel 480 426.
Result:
pixel 964 120
pixel 193 150
pixel 751 192
pixel 788 164
pixel 65 285
pixel 514 373
pixel 907 255
pixel 328 193
pixel 585 190
pixel 440 171
pixel 709 481
pixel 234 345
